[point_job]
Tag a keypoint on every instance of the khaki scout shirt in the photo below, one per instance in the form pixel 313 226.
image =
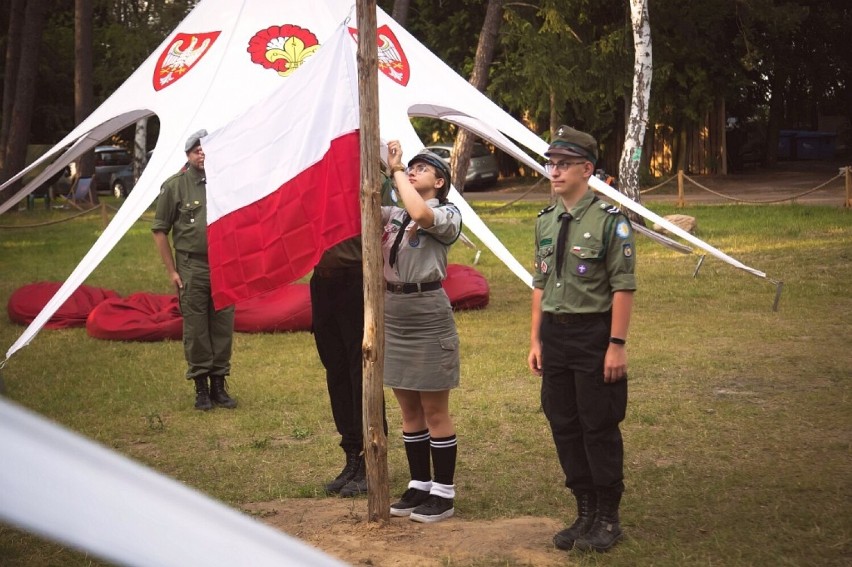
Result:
pixel 598 257
pixel 182 209
pixel 422 253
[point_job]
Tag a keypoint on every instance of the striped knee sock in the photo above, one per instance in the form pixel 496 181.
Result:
pixel 417 451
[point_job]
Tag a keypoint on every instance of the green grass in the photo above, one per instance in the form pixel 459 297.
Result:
pixel 738 428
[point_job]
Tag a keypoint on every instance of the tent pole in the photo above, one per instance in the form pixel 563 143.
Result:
pixel 373 346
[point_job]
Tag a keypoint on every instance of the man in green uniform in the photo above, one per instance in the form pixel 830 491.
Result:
pixel 582 298
pixel 207 333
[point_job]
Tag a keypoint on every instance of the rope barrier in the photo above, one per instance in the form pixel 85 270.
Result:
pixel 655 187
pixel 765 201
pixel 48 223
pixel 513 201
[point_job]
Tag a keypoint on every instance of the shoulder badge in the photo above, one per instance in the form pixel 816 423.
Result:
pixel 546 210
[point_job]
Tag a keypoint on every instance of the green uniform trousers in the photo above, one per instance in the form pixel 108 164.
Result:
pixel 207 334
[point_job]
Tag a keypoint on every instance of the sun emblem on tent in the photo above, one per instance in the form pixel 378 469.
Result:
pixel 185 50
pixel 392 59
pixel 283 48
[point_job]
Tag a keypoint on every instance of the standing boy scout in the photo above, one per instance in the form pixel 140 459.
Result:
pixel 582 297
pixel 207 333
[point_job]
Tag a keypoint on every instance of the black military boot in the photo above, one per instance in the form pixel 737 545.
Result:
pixel 358 483
pixel 587 501
pixel 605 531
pixel 202 394
pixel 353 461
pixel 219 395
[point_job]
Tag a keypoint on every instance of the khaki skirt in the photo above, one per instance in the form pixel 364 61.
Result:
pixel 421 342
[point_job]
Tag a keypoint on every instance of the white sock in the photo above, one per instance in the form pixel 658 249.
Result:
pixel 424 485
pixel 443 490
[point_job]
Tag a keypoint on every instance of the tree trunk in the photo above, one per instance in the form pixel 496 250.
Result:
pixel 460 158
pixel 25 87
pixel 631 154
pixel 721 138
pixel 140 146
pixel 400 11
pixel 372 361
pixel 84 97
pixel 776 111
pixel 10 75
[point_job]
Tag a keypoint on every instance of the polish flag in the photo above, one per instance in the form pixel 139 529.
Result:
pixel 283 179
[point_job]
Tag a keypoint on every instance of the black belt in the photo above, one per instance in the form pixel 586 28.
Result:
pixel 196 256
pixel 350 272
pixel 413 287
pixel 575 317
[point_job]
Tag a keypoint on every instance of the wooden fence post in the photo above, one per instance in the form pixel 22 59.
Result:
pixel 680 201
pixel 848 203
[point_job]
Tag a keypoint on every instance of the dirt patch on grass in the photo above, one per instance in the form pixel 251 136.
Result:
pixel 339 527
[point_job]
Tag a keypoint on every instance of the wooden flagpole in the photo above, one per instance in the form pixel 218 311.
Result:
pixel 373 346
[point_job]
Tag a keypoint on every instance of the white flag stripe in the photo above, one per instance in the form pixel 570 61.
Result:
pixel 285 133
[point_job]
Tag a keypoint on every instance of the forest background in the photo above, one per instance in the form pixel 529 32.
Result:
pixel 729 76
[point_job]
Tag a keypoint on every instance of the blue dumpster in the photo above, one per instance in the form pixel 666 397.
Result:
pixel 815 145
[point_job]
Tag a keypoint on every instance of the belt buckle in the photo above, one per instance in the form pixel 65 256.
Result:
pixel 397 287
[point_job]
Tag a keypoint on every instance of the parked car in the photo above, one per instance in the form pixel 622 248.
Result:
pixel 109 161
pixel 482 171
pixel 122 181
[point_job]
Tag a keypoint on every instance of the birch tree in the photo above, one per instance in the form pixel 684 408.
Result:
pixel 631 154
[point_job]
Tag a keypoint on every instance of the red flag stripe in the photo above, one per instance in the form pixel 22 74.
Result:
pixel 280 238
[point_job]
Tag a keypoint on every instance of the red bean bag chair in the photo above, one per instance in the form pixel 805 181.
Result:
pixel 27 301
pixel 287 308
pixel 137 317
pixel 466 287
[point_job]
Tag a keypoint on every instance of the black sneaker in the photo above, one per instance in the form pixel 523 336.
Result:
pixel 434 509
pixel 411 499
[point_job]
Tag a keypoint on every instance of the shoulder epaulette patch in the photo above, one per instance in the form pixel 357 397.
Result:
pixel 546 210
pixel 611 209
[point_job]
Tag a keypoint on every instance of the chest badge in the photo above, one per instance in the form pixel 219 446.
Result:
pixel 582 269
pixel 587 235
pixel 543 267
pixel 415 241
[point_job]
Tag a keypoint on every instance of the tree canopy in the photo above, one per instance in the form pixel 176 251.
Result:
pixel 774 63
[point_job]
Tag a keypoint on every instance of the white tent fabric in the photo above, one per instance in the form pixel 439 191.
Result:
pixel 218 81
pixel 65 487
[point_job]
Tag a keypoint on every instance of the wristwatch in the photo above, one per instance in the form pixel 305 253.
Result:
pixel 617 341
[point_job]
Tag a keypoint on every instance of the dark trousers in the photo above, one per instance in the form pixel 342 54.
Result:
pixel 207 334
pixel 583 410
pixel 337 307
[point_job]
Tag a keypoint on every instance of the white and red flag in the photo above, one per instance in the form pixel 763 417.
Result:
pixel 283 179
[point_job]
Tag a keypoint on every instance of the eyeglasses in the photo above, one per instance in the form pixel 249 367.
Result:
pixel 418 168
pixel 561 166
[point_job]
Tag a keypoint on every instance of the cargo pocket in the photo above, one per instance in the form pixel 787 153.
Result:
pixel 586 261
pixel 449 355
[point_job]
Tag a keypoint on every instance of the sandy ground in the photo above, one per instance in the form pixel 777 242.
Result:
pixel 339 527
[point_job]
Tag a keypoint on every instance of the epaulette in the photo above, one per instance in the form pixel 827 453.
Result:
pixel 611 209
pixel 175 176
pixel 546 209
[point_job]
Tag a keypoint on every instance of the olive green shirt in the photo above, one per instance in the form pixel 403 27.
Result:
pixel 182 209
pixel 598 259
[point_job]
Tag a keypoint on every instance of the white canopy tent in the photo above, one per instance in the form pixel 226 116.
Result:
pixel 229 54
